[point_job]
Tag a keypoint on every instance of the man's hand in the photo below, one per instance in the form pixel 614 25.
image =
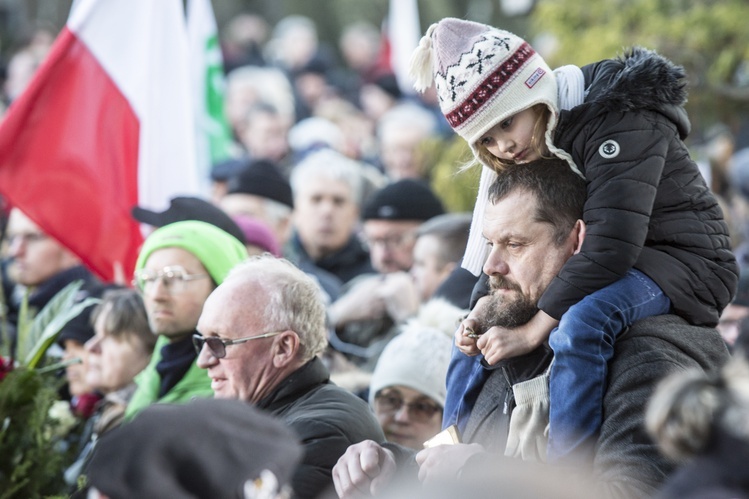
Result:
pixel 400 296
pixel 468 330
pixel 444 461
pixel 500 343
pixel 362 302
pixel 363 470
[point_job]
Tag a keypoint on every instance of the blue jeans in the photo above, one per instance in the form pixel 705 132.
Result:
pixel 465 378
pixel 583 344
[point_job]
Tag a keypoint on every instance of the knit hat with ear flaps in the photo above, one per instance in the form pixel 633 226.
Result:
pixel 483 75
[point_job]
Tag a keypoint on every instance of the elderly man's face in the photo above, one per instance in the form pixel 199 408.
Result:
pixel 325 215
pixel 174 310
pixel 391 244
pixel 523 260
pixel 231 313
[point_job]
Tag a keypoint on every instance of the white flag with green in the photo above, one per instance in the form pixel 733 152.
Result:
pixel 213 135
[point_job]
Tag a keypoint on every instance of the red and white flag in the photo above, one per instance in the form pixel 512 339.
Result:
pixel 106 124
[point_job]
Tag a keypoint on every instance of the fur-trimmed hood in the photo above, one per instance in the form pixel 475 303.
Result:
pixel 640 79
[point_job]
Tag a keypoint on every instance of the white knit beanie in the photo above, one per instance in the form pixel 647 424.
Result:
pixel 417 358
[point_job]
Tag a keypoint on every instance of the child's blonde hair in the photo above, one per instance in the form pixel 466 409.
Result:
pixel 538 142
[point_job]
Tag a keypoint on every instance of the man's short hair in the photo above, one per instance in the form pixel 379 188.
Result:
pixel 560 193
pixel 295 301
pixel 451 229
pixel 126 317
pixel 329 164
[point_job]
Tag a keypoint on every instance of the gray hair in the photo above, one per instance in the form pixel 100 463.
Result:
pixel 689 407
pixel 275 211
pixel 407 116
pixel 330 164
pixel 295 301
pixel 269 84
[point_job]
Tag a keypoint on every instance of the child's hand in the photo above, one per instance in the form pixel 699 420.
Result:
pixel 500 343
pixel 465 338
pixel 468 330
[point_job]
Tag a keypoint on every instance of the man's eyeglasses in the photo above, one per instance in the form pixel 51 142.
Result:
pixel 420 411
pixel 174 278
pixel 217 346
pixel 391 241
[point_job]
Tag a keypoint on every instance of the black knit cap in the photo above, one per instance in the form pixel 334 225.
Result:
pixel 190 208
pixel 262 178
pixel 203 449
pixel 406 199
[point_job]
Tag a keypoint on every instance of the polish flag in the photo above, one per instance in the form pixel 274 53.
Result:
pixel 106 124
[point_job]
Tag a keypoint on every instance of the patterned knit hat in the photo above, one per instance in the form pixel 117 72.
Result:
pixel 483 75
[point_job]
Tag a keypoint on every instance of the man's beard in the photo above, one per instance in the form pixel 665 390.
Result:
pixel 506 311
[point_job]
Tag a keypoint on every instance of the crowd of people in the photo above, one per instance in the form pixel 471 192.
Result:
pixel 515 283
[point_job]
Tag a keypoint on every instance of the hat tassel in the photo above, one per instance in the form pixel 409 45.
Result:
pixel 421 65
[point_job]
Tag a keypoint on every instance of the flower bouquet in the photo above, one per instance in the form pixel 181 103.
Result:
pixel 32 424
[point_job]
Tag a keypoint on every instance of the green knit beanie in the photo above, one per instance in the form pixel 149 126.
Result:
pixel 217 250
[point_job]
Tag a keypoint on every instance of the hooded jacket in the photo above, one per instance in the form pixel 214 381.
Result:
pixel 647 207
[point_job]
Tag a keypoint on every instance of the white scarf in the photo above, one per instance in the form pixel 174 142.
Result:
pixel 571 93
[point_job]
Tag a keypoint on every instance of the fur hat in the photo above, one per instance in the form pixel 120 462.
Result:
pixel 483 75
pixel 216 249
pixel 205 448
pixel 406 199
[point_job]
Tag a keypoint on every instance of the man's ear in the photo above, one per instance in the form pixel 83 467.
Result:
pixel 579 231
pixel 285 349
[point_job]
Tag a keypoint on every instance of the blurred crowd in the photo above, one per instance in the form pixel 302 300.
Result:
pixel 347 193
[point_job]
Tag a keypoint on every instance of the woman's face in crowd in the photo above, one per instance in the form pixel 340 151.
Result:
pixel 407 417
pixel 113 361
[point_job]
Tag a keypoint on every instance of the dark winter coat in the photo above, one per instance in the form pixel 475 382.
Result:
pixel 627 462
pixel 326 418
pixel 648 206
pixel 718 473
pixel 335 270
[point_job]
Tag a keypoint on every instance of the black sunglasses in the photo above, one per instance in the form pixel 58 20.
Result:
pixel 217 346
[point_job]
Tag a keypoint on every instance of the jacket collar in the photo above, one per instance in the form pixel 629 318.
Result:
pixel 301 381
pixel 523 367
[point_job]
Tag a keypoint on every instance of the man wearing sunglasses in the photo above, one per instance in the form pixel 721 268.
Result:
pixel 259 338
pixel 178 267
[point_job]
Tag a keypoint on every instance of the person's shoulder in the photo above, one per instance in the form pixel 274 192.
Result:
pixel 671 338
pixel 332 409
